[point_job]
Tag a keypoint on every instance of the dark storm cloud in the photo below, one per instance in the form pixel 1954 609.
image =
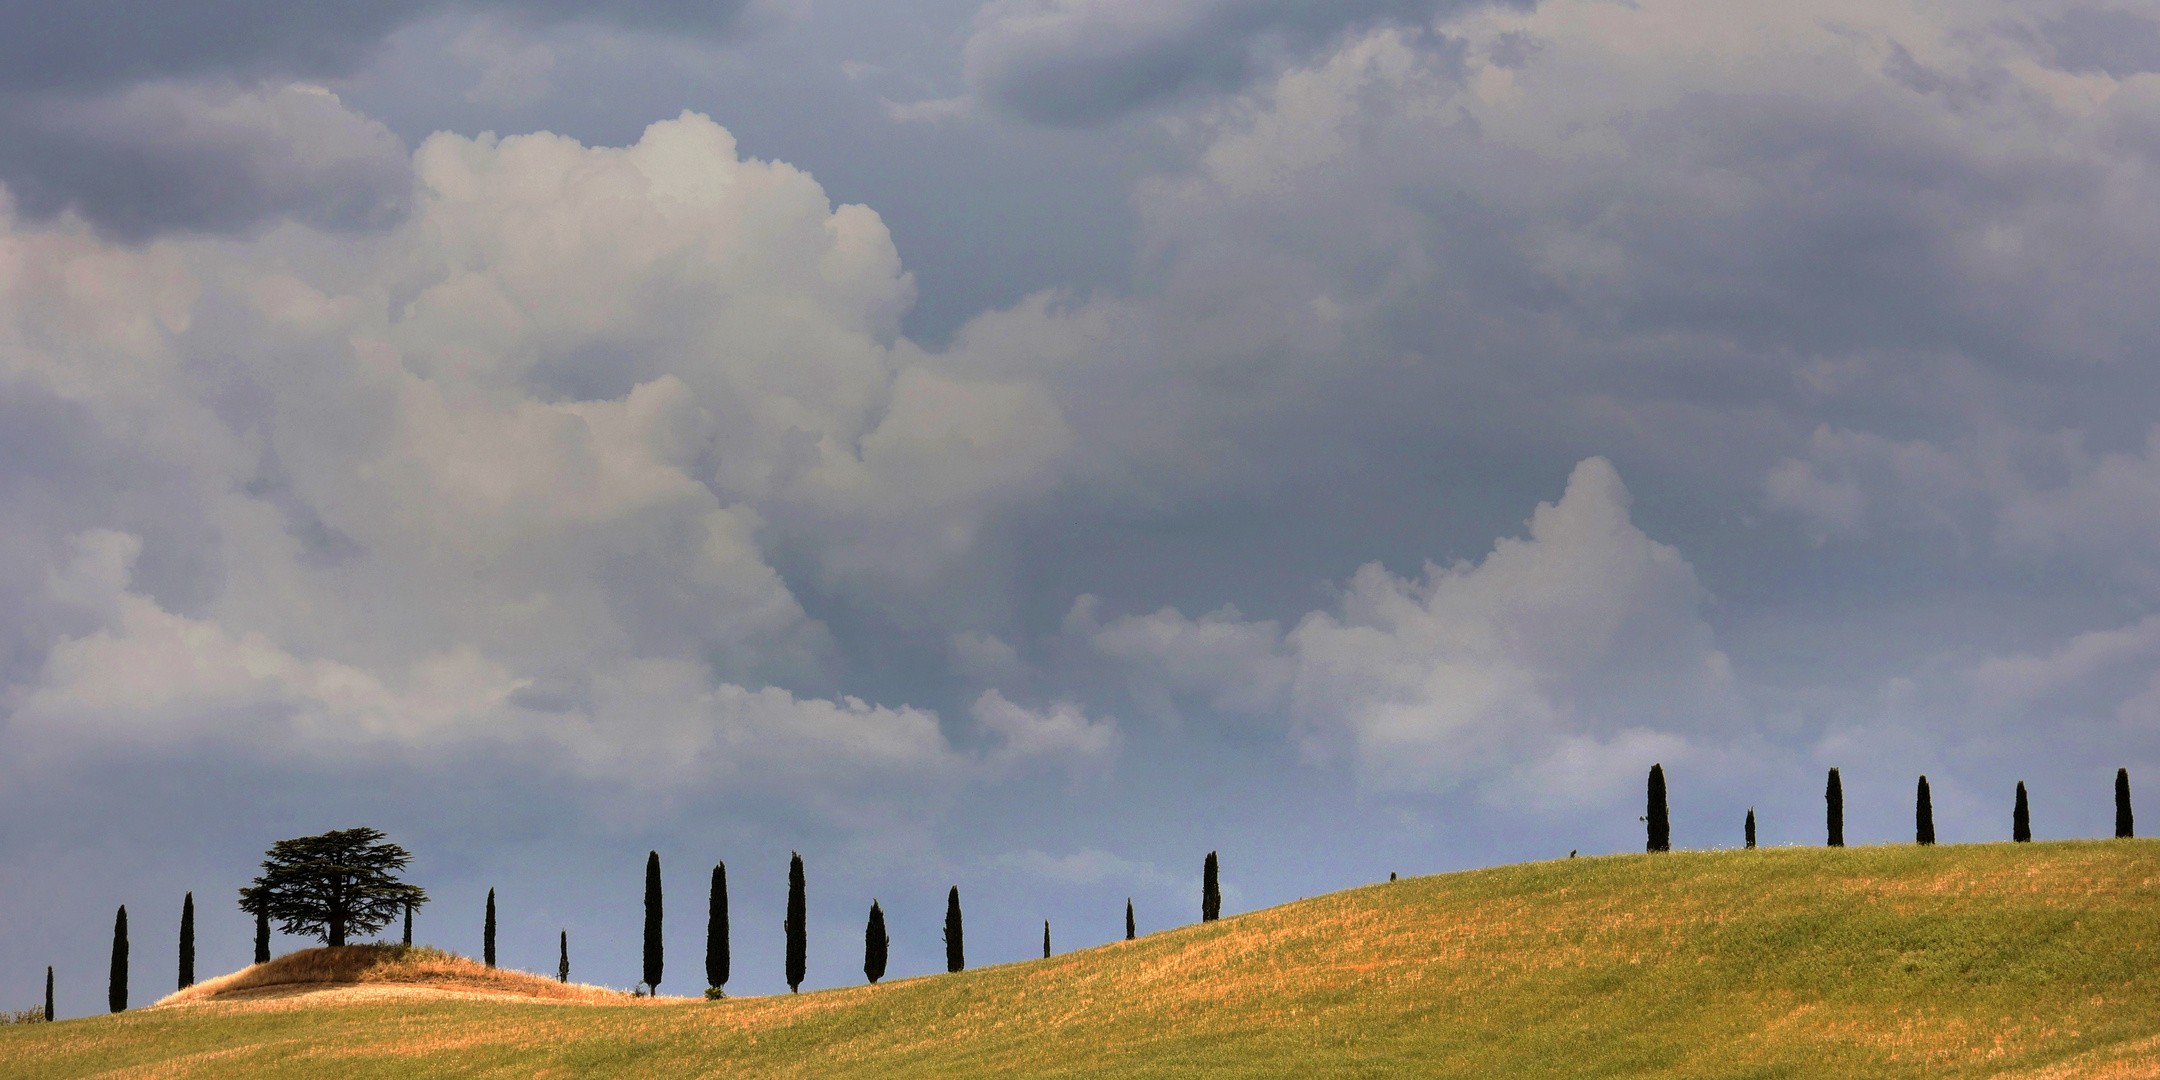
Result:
pixel 1086 61
pixel 148 118
pixel 2119 43
pixel 86 47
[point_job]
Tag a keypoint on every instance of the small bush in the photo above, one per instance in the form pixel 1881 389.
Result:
pixel 23 1016
pixel 714 993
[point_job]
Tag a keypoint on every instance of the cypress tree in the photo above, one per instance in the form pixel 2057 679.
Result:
pixel 1751 827
pixel 875 944
pixel 798 935
pixel 2123 826
pixel 562 966
pixel 1046 939
pixel 408 924
pixel 1210 890
pixel 955 957
pixel 187 942
pixel 716 929
pixel 487 934
pixel 2021 818
pixel 1660 823
pixel 1129 935
pixel 48 994
pixel 262 934
pixel 1834 794
pixel 116 982
pixel 1923 815
pixel 653 956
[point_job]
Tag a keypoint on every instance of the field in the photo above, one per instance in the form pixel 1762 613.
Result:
pixel 2026 960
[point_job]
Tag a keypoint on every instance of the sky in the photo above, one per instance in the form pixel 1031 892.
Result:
pixel 1028 445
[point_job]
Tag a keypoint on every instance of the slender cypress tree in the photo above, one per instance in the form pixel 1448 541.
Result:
pixel 798 934
pixel 955 956
pixel 408 924
pixel 2021 818
pixel 1751 827
pixel 487 934
pixel 2124 828
pixel 875 944
pixel 1046 939
pixel 562 966
pixel 1210 890
pixel 1834 795
pixel 653 954
pixel 716 929
pixel 116 983
pixel 48 994
pixel 1923 815
pixel 187 942
pixel 1129 935
pixel 1660 822
pixel 262 934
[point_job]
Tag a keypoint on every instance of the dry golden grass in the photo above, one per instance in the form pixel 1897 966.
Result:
pixel 2031 961
pixel 389 967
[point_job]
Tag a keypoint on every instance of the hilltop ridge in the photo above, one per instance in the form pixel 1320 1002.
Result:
pixel 2026 960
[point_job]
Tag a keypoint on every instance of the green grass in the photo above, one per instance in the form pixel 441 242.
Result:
pixel 1964 960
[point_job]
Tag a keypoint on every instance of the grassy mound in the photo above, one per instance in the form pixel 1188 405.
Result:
pixel 2027 960
pixel 384 965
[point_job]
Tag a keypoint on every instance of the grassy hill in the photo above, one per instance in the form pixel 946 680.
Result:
pixel 2028 960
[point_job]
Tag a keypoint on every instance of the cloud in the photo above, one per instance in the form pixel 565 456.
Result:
pixel 1584 633
pixel 147 119
pixel 1058 737
pixel 1086 61
pixel 513 473
pixel 205 158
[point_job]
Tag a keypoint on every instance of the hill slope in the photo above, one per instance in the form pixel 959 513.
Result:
pixel 1970 960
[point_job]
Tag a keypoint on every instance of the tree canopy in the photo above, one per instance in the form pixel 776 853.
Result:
pixel 342 883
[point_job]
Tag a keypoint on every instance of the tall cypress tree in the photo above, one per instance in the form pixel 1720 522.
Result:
pixel 1751 827
pixel 262 934
pixel 875 944
pixel 716 929
pixel 562 966
pixel 798 934
pixel 1834 795
pixel 1046 939
pixel 955 956
pixel 487 933
pixel 49 1017
pixel 1210 890
pixel 1923 815
pixel 653 952
pixel 1129 935
pixel 2021 818
pixel 2124 829
pixel 1660 822
pixel 408 924
pixel 187 942
pixel 116 982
